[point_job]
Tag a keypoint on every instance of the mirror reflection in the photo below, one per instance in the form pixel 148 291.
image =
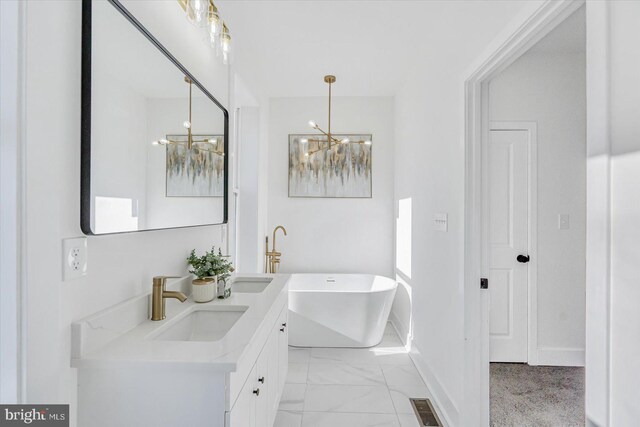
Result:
pixel 157 143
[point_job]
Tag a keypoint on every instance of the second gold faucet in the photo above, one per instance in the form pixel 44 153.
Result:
pixel 272 257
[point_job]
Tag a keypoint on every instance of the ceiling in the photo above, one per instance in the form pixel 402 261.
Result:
pixel 284 48
pixel 568 37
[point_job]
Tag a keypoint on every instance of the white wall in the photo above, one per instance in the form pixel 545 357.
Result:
pixel 625 212
pixel 597 343
pixel 429 176
pixel 263 183
pixel 550 89
pixel 333 235
pixel 248 247
pixel 244 241
pixel 10 202
pixel 120 266
pixel 429 171
pixel 613 185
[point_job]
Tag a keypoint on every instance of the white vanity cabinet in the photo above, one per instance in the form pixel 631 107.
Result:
pixel 259 397
pixel 132 372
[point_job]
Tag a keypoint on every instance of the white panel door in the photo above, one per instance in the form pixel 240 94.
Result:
pixel 508 238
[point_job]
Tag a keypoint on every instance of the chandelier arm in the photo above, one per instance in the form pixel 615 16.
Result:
pixel 221 153
pixel 320 149
pixel 193 140
pixel 336 143
pixel 328 135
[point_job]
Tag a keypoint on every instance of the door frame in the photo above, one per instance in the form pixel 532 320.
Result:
pixel 507 49
pixel 13 309
pixel 531 127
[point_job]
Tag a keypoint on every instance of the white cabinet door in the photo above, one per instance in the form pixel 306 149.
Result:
pixel 259 398
pixel 283 348
pixel 263 388
pixel 271 349
pixel 243 413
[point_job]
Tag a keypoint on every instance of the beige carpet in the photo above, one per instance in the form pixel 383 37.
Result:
pixel 540 396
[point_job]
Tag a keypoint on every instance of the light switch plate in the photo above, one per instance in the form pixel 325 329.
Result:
pixel 563 222
pixel 440 221
pixel 74 258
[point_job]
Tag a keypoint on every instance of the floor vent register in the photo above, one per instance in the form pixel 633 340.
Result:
pixel 425 412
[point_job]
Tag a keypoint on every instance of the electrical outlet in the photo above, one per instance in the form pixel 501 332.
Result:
pixel 74 258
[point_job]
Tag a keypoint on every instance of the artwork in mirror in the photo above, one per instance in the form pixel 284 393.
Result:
pixel 195 172
pixel 153 138
pixel 341 169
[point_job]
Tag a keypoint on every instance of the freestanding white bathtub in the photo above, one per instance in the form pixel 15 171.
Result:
pixel 339 310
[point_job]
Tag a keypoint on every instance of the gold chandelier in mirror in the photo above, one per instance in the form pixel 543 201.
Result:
pixel 199 142
pixel 326 142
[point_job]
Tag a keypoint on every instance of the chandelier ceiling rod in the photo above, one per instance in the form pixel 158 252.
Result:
pixel 330 80
pixel 331 141
pixel 189 135
pixel 210 145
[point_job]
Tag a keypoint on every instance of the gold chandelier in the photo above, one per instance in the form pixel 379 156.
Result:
pixel 211 145
pixel 330 141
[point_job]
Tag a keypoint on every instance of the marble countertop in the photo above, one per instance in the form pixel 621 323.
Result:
pixel 123 335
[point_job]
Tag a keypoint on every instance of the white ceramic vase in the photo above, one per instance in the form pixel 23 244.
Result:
pixel 203 290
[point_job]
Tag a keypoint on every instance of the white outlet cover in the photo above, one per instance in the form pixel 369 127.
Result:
pixel 74 258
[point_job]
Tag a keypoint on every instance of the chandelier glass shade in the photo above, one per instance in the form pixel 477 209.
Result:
pixel 204 13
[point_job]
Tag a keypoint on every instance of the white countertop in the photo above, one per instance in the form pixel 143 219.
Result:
pixel 122 335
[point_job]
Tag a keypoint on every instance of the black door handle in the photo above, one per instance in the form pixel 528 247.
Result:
pixel 523 258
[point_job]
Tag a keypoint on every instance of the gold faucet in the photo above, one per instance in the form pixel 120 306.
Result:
pixel 273 256
pixel 160 295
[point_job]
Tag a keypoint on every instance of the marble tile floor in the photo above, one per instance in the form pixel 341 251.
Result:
pixel 342 387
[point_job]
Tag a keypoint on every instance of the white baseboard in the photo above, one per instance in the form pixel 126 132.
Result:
pixel 443 404
pixel 401 329
pixel 550 356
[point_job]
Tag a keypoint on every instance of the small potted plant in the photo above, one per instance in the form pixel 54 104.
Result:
pixel 209 269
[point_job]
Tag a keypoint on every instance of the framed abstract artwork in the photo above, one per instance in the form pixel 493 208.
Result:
pixel 338 170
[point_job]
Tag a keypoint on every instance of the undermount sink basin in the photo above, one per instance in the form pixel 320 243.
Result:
pixel 252 286
pixel 203 325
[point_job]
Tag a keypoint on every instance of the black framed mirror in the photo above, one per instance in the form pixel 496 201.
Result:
pixel 154 140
